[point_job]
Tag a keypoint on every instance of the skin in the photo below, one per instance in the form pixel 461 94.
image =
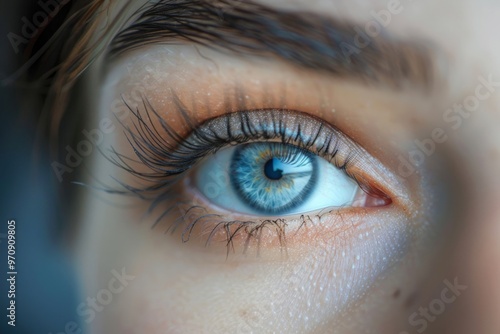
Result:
pixel 368 275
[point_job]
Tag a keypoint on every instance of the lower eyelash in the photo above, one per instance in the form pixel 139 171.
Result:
pixel 188 215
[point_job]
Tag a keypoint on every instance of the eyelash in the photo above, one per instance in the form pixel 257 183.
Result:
pixel 169 157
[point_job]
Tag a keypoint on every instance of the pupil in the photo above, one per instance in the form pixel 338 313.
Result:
pixel 271 172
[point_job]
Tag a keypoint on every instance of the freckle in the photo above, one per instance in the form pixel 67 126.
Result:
pixel 396 293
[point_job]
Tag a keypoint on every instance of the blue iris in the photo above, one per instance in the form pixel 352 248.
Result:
pixel 273 177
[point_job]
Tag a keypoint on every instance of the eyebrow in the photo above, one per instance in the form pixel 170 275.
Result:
pixel 305 39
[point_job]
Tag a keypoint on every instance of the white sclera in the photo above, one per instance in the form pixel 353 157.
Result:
pixel 334 188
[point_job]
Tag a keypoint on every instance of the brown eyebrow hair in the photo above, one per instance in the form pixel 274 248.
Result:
pixel 304 39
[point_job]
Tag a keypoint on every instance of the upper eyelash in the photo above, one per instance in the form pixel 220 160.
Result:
pixel 168 157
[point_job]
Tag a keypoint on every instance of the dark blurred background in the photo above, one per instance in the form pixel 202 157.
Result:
pixel 46 291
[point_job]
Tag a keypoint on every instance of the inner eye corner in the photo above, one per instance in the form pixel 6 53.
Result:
pixel 378 198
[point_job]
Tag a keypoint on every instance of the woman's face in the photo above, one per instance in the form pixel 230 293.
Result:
pixel 330 167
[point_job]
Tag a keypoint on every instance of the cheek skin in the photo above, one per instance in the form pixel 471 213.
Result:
pixel 180 289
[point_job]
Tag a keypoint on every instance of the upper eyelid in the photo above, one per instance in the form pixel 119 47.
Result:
pixel 337 148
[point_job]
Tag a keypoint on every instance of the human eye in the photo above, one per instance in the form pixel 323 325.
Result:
pixel 282 163
pixel 246 169
pixel 272 179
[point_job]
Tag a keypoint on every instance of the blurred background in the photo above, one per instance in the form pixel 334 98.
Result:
pixel 46 290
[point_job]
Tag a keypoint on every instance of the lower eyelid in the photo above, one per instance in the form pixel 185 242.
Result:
pixel 218 230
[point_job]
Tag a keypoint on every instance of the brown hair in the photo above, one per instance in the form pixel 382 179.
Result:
pixel 56 60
